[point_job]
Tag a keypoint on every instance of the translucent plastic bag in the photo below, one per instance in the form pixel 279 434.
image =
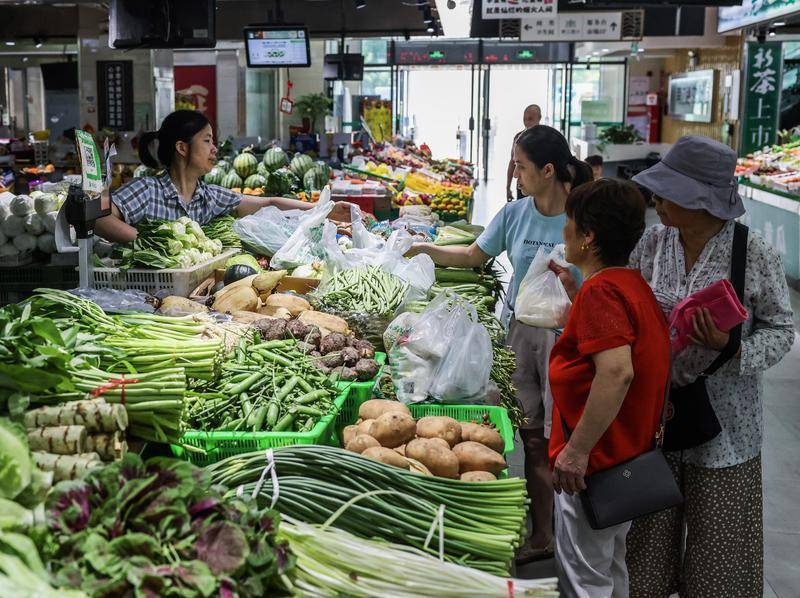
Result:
pixel 446 354
pixel 542 300
pixel 463 374
pixel 305 246
pixel 267 230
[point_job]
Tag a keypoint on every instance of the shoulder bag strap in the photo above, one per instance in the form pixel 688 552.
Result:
pixel 738 264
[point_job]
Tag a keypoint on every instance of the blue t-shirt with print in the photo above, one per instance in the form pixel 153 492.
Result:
pixel 520 229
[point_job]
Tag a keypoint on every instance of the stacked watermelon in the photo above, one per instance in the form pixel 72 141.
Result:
pixel 223 166
pixel 245 164
pixel 254 181
pixel 143 171
pixel 231 181
pixel 316 179
pixel 300 165
pixel 281 182
pixel 275 158
pixel 214 177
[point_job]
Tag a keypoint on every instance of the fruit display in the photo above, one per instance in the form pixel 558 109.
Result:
pixel 300 164
pixel 378 116
pixel 777 167
pixel 315 179
pixel 281 182
pixel 255 180
pixel 231 180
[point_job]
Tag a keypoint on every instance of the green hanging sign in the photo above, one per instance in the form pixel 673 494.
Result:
pixel 762 96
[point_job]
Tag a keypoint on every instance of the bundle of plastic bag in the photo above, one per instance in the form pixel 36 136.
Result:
pixel 542 300
pixel 446 354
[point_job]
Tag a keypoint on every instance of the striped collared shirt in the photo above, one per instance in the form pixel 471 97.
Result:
pixel 156 198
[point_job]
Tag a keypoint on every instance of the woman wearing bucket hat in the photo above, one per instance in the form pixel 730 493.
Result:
pixel 721 553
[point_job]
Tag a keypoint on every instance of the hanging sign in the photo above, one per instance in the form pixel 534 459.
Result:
pixel 572 26
pixel 518 9
pixel 761 95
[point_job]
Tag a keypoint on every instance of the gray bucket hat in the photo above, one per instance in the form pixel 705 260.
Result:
pixel 697 174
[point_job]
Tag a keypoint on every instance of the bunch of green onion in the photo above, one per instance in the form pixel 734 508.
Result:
pixel 334 562
pixel 483 522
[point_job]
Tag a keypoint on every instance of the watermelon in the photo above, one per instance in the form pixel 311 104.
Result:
pixel 231 180
pixel 300 165
pixel 275 158
pixel 281 182
pixel 214 176
pixel 245 164
pixel 254 181
pixel 263 170
pixel 315 180
pixel 223 166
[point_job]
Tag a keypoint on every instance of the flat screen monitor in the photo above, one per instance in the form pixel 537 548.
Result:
pixel 345 67
pixel 277 46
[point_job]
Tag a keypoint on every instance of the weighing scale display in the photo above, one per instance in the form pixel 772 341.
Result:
pixel 277 47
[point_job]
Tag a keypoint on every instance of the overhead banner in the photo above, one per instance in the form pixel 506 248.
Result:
pixel 518 9
pixel 762 95
pixel 573 27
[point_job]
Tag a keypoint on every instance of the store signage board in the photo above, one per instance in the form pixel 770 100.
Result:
pixel 762 95
pixel 752 12
pixel 115 91
pixel 518 9
pixel 525 53
pixel 573 27
pixel 427 53
pixel 691 96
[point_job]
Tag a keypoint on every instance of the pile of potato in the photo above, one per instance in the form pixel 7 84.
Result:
pixel 434 445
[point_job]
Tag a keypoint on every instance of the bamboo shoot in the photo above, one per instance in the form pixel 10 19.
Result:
pixel 65 467
pixel 96 415
pixel 59 440
pixel 110 447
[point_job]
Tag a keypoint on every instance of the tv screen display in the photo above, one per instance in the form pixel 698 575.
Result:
pixel 277 46
pixel 347 67
pixel 752 12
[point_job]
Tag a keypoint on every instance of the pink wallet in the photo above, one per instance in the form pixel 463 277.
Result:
pixel 719 298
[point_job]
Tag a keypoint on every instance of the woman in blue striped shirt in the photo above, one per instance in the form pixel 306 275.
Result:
pixel 186 152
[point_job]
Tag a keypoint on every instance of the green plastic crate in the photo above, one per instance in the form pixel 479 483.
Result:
pixel 359 391
pixel 463 413
pixel 220 445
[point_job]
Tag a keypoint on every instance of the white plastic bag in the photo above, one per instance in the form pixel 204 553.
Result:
pixel 268 229
pixel 305 246
pixel 446 354
pixel 542 300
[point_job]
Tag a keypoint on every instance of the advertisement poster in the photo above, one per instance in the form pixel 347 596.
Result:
pixel 196 89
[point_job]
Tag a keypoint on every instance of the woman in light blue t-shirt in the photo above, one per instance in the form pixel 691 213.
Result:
pixel 545 170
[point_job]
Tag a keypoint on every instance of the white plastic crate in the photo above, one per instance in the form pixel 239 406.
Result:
pixel 178 282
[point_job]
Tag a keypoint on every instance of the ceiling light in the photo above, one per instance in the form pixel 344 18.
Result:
pixel 360 4
pixel 427 17
pixel 771 32
pixel 640 50
pixel 11 43
pixel 605 50
pixel 779 24
pixel 38 41
pixel 430 29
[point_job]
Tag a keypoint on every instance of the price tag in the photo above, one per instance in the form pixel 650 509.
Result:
pixel 91 166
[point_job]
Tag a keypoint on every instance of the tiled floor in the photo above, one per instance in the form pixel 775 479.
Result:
pixel 781 453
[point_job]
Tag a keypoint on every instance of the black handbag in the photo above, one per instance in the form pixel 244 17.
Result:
pixel 691 420
pixel 632 489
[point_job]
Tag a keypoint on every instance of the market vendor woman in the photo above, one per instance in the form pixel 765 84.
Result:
pixel 186 152
pixel 546 171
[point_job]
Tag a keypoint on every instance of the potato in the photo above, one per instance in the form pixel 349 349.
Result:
pixel 374 408
pixel 387 456
pixel 474 456
pixel 393 429
pixel 348 434
pixel 361 443
pixel 440 427
pixel 400 450
pixel 432 453
pixel 478 476
pixel 364 426
pixel 484 434
pixel 441 442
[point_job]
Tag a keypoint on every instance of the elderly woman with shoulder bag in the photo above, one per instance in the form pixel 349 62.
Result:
pixel 712 545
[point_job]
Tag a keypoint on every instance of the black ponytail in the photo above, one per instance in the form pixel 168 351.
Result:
pixel 181 125
pixel 544 145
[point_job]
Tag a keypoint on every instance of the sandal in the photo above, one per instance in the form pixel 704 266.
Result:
pixel 529 554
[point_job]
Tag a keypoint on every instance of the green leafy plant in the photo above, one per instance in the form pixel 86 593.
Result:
pixel 313 106
pixel 618 135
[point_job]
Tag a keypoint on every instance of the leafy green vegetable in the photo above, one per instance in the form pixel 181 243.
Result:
pixel 15 461
pixel 161 528
pixel 162 244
